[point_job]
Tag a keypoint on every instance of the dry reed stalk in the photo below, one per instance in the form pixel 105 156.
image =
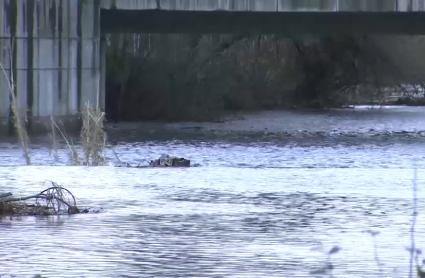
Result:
pixel 412 249
pixel 18 122
pixel 53 137
pixel 73 153
pixel 93 137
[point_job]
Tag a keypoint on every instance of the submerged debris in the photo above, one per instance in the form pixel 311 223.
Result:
pixel 170 161
pixel 54 200
pixel 164 160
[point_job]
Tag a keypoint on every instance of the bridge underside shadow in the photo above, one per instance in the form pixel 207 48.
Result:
pixel 289 23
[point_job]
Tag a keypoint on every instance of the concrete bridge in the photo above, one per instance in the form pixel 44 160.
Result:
pixel 55 52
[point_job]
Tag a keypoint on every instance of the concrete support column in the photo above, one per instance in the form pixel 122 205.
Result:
pixel 53 49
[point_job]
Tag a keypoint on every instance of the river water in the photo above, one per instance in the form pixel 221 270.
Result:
pixel 270 195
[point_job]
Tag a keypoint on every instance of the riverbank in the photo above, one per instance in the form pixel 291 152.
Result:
pixel 370 122
pixel 178 77
pixel 353 121
pixel 39 126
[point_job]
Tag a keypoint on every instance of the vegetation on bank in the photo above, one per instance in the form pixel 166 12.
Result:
pixel 197 77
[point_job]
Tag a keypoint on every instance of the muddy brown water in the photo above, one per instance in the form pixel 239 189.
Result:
pixel 267 200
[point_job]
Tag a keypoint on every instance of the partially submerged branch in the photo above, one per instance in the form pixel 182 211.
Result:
pixel 54 200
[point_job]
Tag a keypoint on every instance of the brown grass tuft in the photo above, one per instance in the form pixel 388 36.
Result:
pixel 93 136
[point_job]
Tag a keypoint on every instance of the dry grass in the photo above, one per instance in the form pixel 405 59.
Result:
pixel 73 153
pixel 19 124
pixel 18 117
pixel 93 136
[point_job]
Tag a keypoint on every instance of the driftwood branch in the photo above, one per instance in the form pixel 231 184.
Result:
pixel 5 195
pixel 53 200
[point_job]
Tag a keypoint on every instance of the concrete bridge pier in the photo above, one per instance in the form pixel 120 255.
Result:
pixel 51 48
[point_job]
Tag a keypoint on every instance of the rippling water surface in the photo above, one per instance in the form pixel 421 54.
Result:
pixel 268 200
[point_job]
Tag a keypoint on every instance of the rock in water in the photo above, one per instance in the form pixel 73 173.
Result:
pixel 170 161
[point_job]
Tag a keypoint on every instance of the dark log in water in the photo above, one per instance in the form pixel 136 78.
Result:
pixel 170 161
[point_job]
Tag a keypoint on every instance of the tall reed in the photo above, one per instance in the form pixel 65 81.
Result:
pixel 93 136
pixel 18 117
pixel 73 153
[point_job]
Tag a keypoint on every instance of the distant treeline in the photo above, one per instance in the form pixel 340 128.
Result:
pixel 198 77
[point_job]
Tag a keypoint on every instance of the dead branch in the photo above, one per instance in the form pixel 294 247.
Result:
pixel 52 201
pixel 5 195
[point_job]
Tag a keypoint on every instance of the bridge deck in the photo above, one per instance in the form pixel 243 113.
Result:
pixel 270 5
pixel 288 23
